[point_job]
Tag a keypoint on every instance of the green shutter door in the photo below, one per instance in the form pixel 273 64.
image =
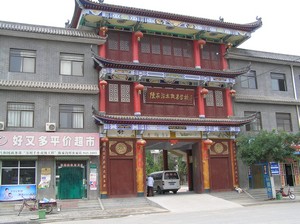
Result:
pixel 70 183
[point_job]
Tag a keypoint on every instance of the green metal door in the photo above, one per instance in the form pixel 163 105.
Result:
pixel 70 183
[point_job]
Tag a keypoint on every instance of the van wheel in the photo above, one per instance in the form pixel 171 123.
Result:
pixel 159 190
pixel 175 192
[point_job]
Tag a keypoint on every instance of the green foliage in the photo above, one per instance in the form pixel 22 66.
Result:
pixel 151 165
pixel 267 146
pixel 157 165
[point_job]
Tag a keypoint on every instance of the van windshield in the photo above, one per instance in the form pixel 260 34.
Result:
pixel 171 175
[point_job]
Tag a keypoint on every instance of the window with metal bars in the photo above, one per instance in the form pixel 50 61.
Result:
pixel 71 116
pixel 20 114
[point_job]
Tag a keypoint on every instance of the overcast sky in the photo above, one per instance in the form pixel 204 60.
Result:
pixel 279 33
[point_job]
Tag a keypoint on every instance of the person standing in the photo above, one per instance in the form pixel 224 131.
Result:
pixel 150 183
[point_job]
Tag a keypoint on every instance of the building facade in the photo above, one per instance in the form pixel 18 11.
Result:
pixel 164 84
pixel 82 104
pixel 270 88
pixel 49 145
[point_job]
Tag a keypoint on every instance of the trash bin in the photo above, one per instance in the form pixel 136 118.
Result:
pixel 42 213
pixel 278 196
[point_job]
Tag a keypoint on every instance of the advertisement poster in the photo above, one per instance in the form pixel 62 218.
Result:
pixel 45 178
pixel 17 192
pixel 93 179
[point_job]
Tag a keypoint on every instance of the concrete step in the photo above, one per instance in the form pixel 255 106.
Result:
pixel 118 203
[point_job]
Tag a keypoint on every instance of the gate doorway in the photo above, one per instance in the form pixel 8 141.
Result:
pixel 71 183
pixel 257 176
pixel 289 175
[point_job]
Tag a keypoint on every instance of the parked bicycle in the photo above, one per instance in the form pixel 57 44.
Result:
pixel 30 203
pixel 289 194
pixel 33 204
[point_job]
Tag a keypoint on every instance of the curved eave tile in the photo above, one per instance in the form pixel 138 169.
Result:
pixel 101 62
pixel 22 85
pixel 111 119
pixel 250 27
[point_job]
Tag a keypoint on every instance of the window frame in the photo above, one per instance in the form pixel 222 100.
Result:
pixel 72 59
pixel 256 125
pixel 20 117
pixel 281 122
pixel 278 83
pixel 19 168
pixel 249 80
pixel 70 111
pixel 24 59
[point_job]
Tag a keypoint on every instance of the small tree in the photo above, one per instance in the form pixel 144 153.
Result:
pixel 267 147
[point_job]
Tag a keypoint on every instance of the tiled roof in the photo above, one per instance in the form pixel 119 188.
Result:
pixel 29 28
pixel 153 120
pixel 252 54
pixel 265 100
pixel 251 27
pixel 48 86
pixel 167 68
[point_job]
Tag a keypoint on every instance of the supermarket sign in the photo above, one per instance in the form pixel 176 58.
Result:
pixel 54 143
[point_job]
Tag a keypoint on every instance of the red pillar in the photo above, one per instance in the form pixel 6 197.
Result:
pixel 224 63
pixel 103 170
pixel 102 99
pixel 136 100
pixel 201 106
pixel 229 102
pixel 135 48
pixel 140 178
pixel 197 54
pixel 102 48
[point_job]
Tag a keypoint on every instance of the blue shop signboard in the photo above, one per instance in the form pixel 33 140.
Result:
pixel 274 168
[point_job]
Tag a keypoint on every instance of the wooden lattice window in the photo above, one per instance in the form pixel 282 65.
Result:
pixel 145 45
pixel 125 93
pixel 113 41
pixel 219 98
pixel 113 92
pixel 167 48
pixel 177 48
pixel 210 99
pixel 155 46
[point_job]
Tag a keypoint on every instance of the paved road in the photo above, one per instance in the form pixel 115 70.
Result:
pixel 281 213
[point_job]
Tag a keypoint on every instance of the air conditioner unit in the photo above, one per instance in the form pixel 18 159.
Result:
pixel 50 127
pixel 1 126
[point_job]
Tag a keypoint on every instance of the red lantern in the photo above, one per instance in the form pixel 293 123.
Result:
pixel 103 29
pixel 201 43
pixel 173 141
pixel 141 142
pixel 139 35
pixel 204 92
pixel 208 142
pixel 104 139
pixel 232 92
pixel 139 87
pixel 103 83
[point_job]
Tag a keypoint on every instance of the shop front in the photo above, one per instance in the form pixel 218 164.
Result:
pixel 48 165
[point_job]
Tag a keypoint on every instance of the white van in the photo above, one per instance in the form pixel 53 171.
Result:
pixel 165 181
